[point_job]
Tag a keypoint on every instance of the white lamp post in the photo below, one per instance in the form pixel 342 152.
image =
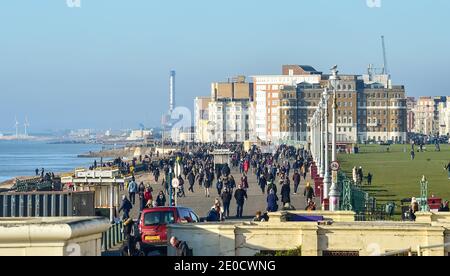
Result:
pixel 327 177
pixel 334 191
pixel 322 157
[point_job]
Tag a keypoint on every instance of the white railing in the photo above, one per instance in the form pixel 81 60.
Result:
pixel 420 250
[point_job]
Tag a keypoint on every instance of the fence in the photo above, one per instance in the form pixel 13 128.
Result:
pixel 47 204
pixel 353 198
pixel 112 237
pixel 420 250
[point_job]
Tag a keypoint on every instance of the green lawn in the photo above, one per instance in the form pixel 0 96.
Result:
pixel 396 176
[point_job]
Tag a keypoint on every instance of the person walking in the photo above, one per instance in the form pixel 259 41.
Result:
pixel 263 183
pixel 132 190
pixel 141 193
pixel 126 207
pixel 209 178
pixel 369 179
pixel 240 195
pixel 161 199
pixel 272 202
pixel 226 200
pixel 308 193
pixel 296 178
pixel 244 181
pixel 271 186
pixel 448 169
pixel 286 194
pixel 219 186
pixel 191 180
pixel 413 154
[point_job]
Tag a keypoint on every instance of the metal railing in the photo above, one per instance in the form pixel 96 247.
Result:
pixel 112 237
pixel 410 251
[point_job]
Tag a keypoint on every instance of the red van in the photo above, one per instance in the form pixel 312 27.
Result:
pixel 153 223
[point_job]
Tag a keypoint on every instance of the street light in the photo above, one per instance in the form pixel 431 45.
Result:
pixel 327 180
pixel 334 190
pixel 322 157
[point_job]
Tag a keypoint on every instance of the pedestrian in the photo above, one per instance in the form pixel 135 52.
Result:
pixel 161 199
pixel 262 183
pixel 308 193
pixel 191 180
pixel 286 194
pixel 226 200
pixel 181 247
pixel 444 207
pixel 37 172
pixel 448 169
pixel 181 186
pixel 413 209
pixel 296 178
pixel 244 181
pixel 240 195
pixel 369 179
pixel 219 186
pixel 271 186
pixel 132 189
pixel 126 207
pixel 272 201
pixel 311 206
pixel 129 234
pixel 413 154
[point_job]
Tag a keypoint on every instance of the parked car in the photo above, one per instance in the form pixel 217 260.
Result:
pixel 153 223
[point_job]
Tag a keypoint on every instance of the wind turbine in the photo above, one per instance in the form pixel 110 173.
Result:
pixel 17 128
pixel 26 126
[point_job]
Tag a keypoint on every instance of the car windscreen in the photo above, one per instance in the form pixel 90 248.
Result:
pixel 159 218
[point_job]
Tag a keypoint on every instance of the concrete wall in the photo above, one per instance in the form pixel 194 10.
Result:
pixel 52 236
pixel 338 233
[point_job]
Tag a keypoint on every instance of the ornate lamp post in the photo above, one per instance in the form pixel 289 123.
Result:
pixel 424 195
pixel 327 177
pixel 322 155
pixel 334 191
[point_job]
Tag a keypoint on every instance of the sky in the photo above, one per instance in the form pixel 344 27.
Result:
pixel 106 63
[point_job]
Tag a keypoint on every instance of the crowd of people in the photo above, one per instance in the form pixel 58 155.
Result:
pixel 274 172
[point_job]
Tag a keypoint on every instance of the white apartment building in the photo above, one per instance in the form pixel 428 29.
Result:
pixel 229 121
pixel 201 119
pixel 444 117
pixel 267 98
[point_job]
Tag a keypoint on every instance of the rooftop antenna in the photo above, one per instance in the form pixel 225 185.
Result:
pixel 385 65
pixel 26 126
pixel 17 128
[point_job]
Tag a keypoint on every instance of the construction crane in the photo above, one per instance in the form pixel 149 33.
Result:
pixel 385 65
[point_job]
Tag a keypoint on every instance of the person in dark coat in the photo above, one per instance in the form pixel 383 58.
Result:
pixel 308 193
pixel 263 183
pixel 126 208
pixel 272 202
pixel 226 200
pixel 181 247
pixel 286 193
pixel 191 180
pixel 161 199
pixel 240 195
pixel 296 178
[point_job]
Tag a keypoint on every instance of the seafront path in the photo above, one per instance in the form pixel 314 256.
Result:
pixel 197 201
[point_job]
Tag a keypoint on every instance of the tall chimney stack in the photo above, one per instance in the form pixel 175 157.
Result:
pixel 172 92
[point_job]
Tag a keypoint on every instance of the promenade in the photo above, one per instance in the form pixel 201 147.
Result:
pixel 257 201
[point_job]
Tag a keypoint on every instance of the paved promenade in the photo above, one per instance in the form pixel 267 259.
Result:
pixel 201 204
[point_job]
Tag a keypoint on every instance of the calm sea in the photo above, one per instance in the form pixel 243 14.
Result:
pixel 21 158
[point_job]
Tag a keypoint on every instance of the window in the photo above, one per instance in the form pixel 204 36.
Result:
pixel 159 218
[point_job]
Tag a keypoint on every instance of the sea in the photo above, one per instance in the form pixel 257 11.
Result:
pixel 22 158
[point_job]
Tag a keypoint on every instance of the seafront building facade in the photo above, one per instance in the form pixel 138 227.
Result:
pixel 278 108
pixel 369 107
pixel 444 117
pixel 411 103
pixel 224 116
pixel 427 115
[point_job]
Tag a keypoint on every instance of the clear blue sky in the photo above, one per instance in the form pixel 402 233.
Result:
pixel 106 64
